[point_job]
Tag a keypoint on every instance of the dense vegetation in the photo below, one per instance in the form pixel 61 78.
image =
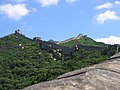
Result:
pixel 23 62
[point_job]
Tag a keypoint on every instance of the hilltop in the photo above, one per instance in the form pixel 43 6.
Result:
pixel 81 40
pixel 71 39
pixel 25 61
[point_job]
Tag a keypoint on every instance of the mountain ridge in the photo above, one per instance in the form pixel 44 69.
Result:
pixel 25 61
pixel 81 40
pixel 73 38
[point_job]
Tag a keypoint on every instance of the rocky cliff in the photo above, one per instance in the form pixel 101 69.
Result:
pixel 103 76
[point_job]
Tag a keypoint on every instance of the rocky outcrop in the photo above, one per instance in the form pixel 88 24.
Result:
pixel 103 76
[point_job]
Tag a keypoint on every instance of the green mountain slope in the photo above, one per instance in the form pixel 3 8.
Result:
pixel 83 40
pixel 23 62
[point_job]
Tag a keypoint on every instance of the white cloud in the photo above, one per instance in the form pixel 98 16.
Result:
pixel 45 3
pixel 106 5
pixel 108 15
pixel 14 12
pixel 117 2
pixel 70 1
pixel 110 40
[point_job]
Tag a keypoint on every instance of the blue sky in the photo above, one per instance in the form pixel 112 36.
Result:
pixel 62 19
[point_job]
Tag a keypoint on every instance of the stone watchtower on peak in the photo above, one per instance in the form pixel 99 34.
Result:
pixel 18 31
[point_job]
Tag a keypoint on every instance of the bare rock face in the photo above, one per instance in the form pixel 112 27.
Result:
pixel 103 76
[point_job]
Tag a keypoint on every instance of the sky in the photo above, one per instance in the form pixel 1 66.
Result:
pixel 62 19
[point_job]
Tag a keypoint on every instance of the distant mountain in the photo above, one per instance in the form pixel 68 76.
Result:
pixel 71 39
pixel 25 61
pixel 53 41
pixel 81 40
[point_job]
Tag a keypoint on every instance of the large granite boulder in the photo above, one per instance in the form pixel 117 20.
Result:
pixel 103 76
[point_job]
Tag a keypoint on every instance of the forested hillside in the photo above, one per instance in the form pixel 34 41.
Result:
pixel 24 61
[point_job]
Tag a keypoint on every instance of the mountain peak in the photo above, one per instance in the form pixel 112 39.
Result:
pixel 80 35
